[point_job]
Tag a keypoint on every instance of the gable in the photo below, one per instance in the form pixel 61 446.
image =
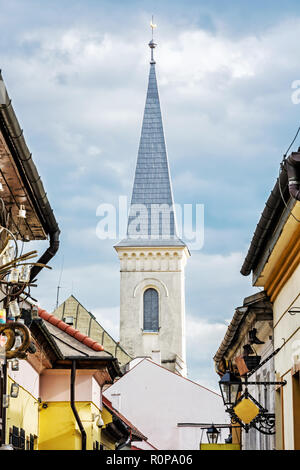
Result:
pixel 170 399
pixel 87 324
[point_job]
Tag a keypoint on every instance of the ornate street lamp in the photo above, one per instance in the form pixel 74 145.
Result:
pixel 212 434
pixel 230 386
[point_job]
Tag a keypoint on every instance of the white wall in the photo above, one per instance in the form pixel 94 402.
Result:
pixel 156 400
pixel 161 269
pixel 27 377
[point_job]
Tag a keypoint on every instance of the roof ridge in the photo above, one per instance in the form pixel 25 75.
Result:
pixel 82 338
pixel 182 376
pixel 168 370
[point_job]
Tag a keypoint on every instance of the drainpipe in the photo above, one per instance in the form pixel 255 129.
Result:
pixel 293 171
pixel 75 412
pixel 123 444
pixel 48 255
pixel 3 410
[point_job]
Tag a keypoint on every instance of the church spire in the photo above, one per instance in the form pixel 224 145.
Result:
pixel 151 220
pixel 152 257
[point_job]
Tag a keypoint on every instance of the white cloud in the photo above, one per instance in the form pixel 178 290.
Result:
pixel 79 94
pixel 109 318
pixel 204 334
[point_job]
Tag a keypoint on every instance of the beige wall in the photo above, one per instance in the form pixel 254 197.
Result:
pixel 87 324
pixel 287 335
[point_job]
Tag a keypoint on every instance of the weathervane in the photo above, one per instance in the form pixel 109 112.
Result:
pixel 152 44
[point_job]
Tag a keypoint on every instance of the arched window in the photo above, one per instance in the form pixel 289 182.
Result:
pixel 150 310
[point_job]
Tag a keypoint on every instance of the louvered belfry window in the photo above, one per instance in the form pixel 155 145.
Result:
pixel 150 310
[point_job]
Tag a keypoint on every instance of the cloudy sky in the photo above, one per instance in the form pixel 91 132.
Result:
pixel 77 72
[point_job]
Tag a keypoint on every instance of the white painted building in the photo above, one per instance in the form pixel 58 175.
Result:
pixel 152 256
pixel 167 407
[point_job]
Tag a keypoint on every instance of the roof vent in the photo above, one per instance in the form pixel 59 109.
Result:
pixel 69 320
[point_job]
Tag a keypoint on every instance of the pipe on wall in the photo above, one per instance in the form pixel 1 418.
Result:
pixel 47 255
pixel 75 412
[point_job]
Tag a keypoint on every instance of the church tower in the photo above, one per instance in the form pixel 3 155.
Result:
pixel 152 257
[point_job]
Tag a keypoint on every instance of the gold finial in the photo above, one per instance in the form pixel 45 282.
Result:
pixel 152 44
pixel 153 26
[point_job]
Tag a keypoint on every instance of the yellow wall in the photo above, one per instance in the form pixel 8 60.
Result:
pixel 281 278
pixel 22 412
pixel 59 430
pixel 286 336
pixel 107 442
pixel 220 447
pixel 55 425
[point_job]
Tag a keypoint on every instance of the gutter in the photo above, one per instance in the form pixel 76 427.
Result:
pixel 254 304
pixel 30 178
pixel 293 170
pixel 75 412
pixel 238 317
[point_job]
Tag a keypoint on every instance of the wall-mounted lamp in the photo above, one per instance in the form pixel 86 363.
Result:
pixel 230 386
pixel 22 212
pixel 212 434
pixel 97 419
pixel 14 390
pixel 15 364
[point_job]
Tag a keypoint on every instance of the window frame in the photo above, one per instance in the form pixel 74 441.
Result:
pixel 151 331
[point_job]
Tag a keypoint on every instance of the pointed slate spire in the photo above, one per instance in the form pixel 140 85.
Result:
pixel 151 218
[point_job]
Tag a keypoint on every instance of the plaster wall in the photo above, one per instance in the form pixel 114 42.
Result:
pixel 55 386
pixel 163 270
pixel 287 335
pixel 156 400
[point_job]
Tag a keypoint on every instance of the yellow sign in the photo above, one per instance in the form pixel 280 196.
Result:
pixel 246 410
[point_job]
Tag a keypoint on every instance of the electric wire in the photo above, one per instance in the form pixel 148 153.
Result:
pixel 281 168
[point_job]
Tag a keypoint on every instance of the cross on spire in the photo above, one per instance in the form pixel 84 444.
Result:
pixel 152 44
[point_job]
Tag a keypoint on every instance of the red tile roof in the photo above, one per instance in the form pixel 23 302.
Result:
pixel 70 330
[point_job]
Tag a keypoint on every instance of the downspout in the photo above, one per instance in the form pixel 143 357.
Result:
pixel 3 409
pixel 293 171
pixel 47 255
pixel 123 444
pixel 75 412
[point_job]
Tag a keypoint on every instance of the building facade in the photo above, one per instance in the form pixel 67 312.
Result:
pixel 249 337
pixel 274 260
pixel 152 257
pixel 168 408
pixel 26 215
pixel 59 404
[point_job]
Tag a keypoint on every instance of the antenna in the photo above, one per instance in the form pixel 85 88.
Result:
pixel 59 281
